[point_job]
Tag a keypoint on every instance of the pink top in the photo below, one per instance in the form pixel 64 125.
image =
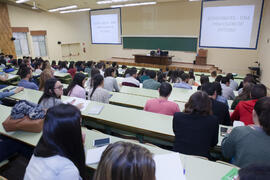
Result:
pixel 161 106
pixel 78 92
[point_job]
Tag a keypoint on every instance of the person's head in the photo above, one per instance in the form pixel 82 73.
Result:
pixel 254 172
pixel 79 79
pixel 141 72
pixel 53 88
pixel 123 160
pixel 114 64
pixel 248 79
pixel 230 76
pixel 63 65
pixel 109 72
pixel 204 79
pixel 38 65
pixel 246 93
pixel 44 76
pixel 226 81
pixel 218 88
pixel 61 133
pixel 99 66
pixel 162 77
pixel 53 63
pixel 258 91
pixel 185 77
pixel 191 74
pixel 152 74
pixel 218 78
pixel 98 81
pixel 71 65
pixel 27 62
pixel 199 103
pixel 94 71
pixel 133 72
pixel 46 65
pixel 165 89
pixel 210 89
pixel 214 74
pixel 26 73
pixel 261 114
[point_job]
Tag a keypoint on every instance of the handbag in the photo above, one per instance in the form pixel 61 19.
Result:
pixel 23 124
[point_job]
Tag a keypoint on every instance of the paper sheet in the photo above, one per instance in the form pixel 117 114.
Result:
pixel 93 155
pixel 75 101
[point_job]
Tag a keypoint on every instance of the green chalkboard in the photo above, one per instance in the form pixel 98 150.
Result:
pixel 164 43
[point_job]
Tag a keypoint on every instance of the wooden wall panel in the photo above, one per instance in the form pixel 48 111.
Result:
pixel 38 33
pixel 6 45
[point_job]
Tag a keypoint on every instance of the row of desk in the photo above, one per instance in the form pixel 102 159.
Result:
pixel 143 124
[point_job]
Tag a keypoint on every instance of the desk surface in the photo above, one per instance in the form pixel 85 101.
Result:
pixel 61 75
pixel 193 165
pixel 11 77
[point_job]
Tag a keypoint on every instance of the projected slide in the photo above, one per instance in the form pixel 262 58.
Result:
pixel 230 26
pixel 105 27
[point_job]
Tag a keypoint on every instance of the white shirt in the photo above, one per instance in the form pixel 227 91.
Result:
pixel 53 168
pixel 227 92
pixel 233 85
pixel 132 80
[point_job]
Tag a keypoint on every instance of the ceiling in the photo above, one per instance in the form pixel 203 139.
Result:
pixel 51 4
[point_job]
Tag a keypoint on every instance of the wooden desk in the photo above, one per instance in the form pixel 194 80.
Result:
pixel 161 60
pixel 192 165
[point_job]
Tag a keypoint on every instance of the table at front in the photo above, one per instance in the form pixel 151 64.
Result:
pixel 161 60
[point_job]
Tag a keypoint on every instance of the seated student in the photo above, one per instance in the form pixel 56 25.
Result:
pixel 244 95
pixel 38 66
pixel 44 76
pixel 184 84
pixel 131 81
pixel 192 81
pixel 122 70
pixel 233 84
pixel 110 82
pixel 10 93
pixel 214 74
pixel 247 79
pixel 55 156
pixel 220 110
pixel 218 78
pixel 26 75
pixel 162 105
pixel 54 66
pixel 72 69
pixel 52 94
pixel 89 82
pixel 63 68
pixel 243 110
pixel 98 93
pixel 100 67
pixel 174 77
pixel 76 87
pixel 257 171
pixel 250 144
pixel 123 160
pixel 152 82
pixel 88 68
pixel 196 129
pixel 204 79
pixel 143 75
pixel 227 91
pixel 162 77
pixel 220 98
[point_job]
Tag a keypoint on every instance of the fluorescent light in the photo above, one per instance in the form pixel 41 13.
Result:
pixel 22 1
pixel 134 4
pixel 75 10
pixel 63 8
pixel 104 2
pixel 111 1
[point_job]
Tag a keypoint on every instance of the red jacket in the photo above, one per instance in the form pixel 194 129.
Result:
pixel 72 72
pixel 243 111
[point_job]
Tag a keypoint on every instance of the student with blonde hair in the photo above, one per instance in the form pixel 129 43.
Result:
pixel 44 76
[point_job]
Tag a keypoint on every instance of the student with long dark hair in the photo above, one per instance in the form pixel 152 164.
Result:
pixel 52 94
pixel 72 69
pixel 76 87
pixel 55 156
pixel 196 129
pixel 110 82
pixel 123 160
pixel 89 82
pixel 97 93
pixel 250 144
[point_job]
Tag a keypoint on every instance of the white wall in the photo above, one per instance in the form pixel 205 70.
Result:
pixel 173 18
